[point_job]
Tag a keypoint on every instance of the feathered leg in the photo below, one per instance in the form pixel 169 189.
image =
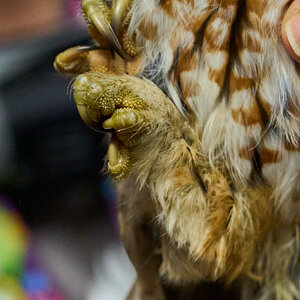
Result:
pixel 138 236
pixel 277 266
pixel 197 203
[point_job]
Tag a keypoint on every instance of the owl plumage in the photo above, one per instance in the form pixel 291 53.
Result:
pixel 207 157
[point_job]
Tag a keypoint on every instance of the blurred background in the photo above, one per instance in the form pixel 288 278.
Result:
pixel 58 228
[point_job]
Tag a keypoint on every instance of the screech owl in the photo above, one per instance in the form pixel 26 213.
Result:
pixel 202 103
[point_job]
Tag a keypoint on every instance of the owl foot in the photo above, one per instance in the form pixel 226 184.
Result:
pixel 116 52
pixel 109 103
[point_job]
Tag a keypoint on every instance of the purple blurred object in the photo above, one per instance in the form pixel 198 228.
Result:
pixel 74 10
pixel 37 283
pixel 74 7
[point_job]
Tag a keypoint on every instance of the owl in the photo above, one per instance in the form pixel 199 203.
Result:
pixel 202 104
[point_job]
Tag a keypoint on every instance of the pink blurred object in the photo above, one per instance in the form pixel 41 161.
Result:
pixel 74 10
pixel 46 296
pixel 74 7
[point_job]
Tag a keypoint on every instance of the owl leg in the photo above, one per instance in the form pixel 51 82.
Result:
pixel 140 245
pixel 137 230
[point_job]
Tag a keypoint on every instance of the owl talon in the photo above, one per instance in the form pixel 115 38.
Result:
pixel 98 14
pixel 118 159
pixel 72 59
pixel 106 30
